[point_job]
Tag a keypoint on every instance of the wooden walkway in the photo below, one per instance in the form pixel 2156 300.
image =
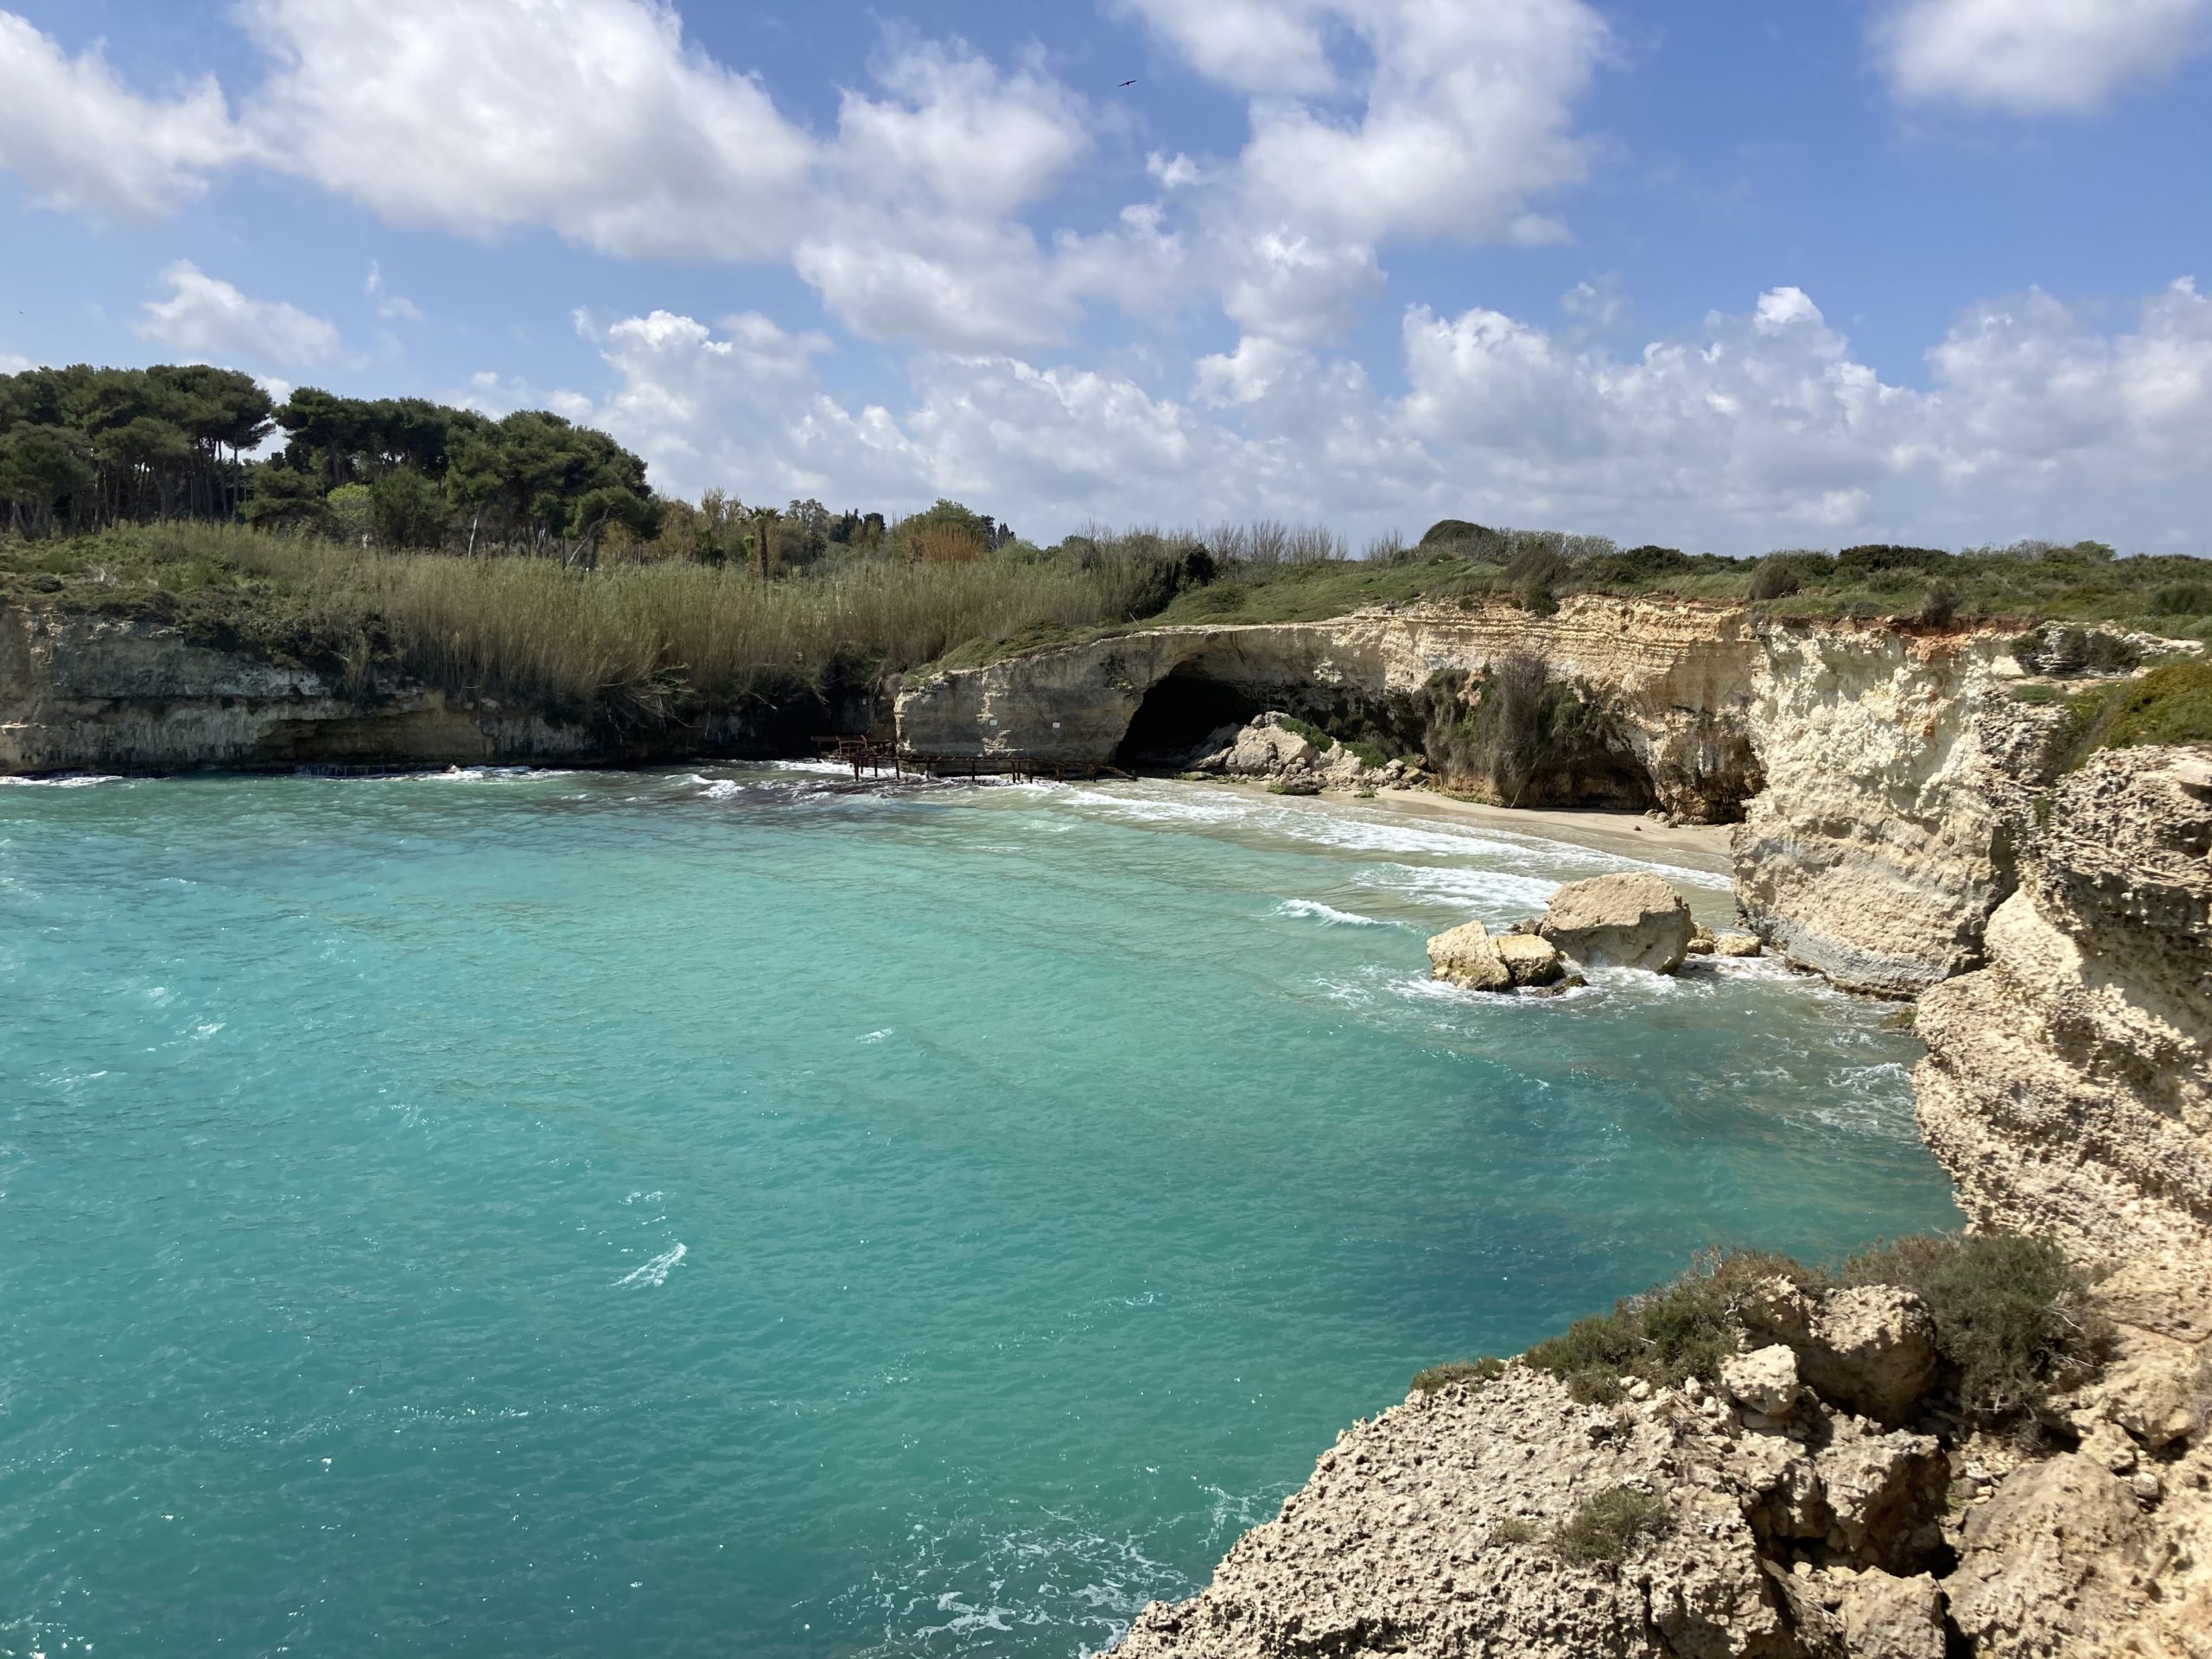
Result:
pixel 869 758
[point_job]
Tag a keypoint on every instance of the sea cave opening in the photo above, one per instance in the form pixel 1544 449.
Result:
pixel 1179 713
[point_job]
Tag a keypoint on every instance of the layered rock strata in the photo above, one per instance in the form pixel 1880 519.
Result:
pixel 1854 753
pixel 2068 1087
pixel 1674 678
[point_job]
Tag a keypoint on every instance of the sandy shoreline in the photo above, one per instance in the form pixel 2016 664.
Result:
pixel 1628 835
pixel 1625 834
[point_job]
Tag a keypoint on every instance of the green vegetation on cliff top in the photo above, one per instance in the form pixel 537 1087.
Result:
pixel 2015 1322
pixel 648 629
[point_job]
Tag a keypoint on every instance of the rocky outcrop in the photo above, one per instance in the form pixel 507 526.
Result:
pixel 1630 919
pixel 2068 1087
pixel 95 694
pixel 1855 753
pixel 1673 680
pixel 1503 1517
pixel 1431 1530
pixel 1473 958
pixel 1874 853
pixel 1272 748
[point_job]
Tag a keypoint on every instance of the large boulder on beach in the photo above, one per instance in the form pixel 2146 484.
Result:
pixel 1629 920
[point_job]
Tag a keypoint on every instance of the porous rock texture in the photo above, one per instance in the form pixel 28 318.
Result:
pixel 1436 1529
pixel 2068 1087
pixel 1630 919
pixel 1872 853
pixel 1475 959
pixel 1673 679
pixel 1270 747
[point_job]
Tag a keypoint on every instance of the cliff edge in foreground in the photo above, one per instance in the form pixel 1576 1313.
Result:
pixel 1835 1497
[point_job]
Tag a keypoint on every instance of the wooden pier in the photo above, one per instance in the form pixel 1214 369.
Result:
pixel 870 758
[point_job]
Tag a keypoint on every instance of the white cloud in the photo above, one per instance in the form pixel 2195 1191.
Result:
pixel 2033 57
pixel 11 364
pixel 206 319
pixel 1251 45
pixel 392 307
pixel 80 141
pixel 1762 431
pixel 1371 121
pixel 598 120
pixel 595 118
pixel 1467 116
pixel 590 117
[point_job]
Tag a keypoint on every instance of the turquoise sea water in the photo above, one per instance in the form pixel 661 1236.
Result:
pixel 732 1214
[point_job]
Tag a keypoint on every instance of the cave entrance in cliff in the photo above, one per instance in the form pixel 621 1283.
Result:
pixel 1178 714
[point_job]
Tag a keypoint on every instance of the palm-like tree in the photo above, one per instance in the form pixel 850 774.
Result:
pixel 764 546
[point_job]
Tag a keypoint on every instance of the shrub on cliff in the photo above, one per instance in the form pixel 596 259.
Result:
pixel 2014 1317
pixel 1474 1371
pixel 2172 704
pixel 1776 576
pixel 1665 1336
pixel 1606 1526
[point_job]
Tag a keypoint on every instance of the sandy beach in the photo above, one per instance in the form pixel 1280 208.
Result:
pixel 1630 834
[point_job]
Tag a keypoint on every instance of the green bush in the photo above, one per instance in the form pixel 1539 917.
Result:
pixel 1370 754
pixel 1665 1336
pixel 1534 574
pixel 1939 604
pixel 1514 1530
pixel 1312 734
pixel 2172 704
pixel 1881 559
pixel 1776 576
pixel 2014 1317
pixel 2182 599
pixel 1475 1371
pixel 1607 1527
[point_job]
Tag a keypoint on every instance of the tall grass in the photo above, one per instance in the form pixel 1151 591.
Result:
pixel 638 636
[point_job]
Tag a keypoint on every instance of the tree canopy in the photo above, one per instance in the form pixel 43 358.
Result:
pixel 85 449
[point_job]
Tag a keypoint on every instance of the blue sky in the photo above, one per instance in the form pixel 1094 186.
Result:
pixel 1728 277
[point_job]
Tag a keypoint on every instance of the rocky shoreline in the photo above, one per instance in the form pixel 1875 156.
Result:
pixel 1832 1497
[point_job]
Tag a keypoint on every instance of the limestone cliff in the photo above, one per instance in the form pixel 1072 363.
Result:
pixel 2068 1087
pixel 94 694
pixel 1851 751
pixel 1874 854
pixel 1673 679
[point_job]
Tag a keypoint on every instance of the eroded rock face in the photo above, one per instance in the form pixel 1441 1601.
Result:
pixel 1871 856
pixel 1628 920
pixel 95 694
pixel 1467 957
pixel 1873 1352
pixel 1673 680
pixel 2067 1087
pixel 1426 1532
pixel 1764 1381
pixel 1872 853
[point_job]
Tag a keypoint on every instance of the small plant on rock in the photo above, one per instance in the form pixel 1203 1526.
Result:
pixel 1606 1526
pixel 1665 1336
pixel 1514 1530
pixel 1473 1372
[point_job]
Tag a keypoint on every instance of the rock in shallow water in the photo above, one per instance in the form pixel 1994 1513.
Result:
pixel 1629 920
pixel 1474 959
